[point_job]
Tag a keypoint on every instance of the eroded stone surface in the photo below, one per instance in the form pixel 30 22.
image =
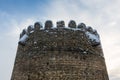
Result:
pixel 48 24
pixel 60 24
pixel 72 24
pixel 54 54
pixel 37 26
pixel 82 26
pixel 23 33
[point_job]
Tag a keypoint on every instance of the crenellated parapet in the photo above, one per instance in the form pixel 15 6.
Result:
pixel 72 37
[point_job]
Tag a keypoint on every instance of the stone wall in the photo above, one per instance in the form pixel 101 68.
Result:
pixel 59 53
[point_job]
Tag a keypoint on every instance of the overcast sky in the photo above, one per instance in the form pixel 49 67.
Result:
pixel 103 15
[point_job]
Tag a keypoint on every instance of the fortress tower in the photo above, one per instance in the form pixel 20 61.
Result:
pixel 59 53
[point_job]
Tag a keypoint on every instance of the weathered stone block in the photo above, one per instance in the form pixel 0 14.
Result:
pixel 82 26
pixel 29 29
pixel 48 24
pixel 23 32
pixel 60 24
pixel 89 28
pixel 37 26
pixel 72 24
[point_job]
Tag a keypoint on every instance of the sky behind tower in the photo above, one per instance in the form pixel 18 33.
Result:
pixel 103 15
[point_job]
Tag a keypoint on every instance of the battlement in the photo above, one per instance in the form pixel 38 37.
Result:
pixel 72 38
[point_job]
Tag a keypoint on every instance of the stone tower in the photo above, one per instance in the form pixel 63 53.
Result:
pixel 59 53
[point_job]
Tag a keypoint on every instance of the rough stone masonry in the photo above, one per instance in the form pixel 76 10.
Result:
pixel 59 53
